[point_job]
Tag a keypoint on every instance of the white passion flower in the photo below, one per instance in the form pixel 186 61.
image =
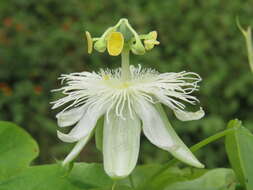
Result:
pixel 128 106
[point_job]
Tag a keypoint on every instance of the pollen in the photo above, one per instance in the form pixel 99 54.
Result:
pixel 106 77
pixel 125 85
pixel 115 43
pixel 89 42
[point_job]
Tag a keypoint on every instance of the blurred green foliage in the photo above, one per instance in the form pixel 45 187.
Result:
pixel 39 40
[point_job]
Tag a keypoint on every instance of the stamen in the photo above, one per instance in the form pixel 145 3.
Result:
pixel 129 106
pixel 115 43
pixel 90 89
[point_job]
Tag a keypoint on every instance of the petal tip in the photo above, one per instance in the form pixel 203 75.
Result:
pixel 189 116
pixel 199 165
pixel 66 138
pixel 117 176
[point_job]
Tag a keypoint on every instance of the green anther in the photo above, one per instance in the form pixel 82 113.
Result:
pixel 100 45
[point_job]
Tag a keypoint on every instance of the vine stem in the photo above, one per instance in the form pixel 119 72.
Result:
pixel 193 149
pixel 114 185
pixel 125 70
pixel 131 181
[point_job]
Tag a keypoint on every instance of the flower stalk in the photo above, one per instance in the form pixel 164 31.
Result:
pixel 125 69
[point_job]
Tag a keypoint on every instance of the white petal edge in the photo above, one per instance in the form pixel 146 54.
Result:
pixel 66 138
pixel 70 117
pixel 76 150
pixel 121 143
pixel 153 126
pixel 188 116
pixel 85 125
pixel 182 153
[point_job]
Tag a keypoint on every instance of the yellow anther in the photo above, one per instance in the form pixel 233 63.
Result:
pixel 89 42
pixel 153 34
pixel 125 84
pixel 106 77
pixel 115 43
pixel 151 42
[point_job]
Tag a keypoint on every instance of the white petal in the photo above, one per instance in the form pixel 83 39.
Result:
pixel 158 130
pixel 66 138
pixel 121 142
pixel 182 152
pixel 76 150
pixel 188 116
pixel 84 126
pixel 185 155
pixel 70 117
pixel 153 126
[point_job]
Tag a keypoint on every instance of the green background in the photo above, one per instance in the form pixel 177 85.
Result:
pixel 39 40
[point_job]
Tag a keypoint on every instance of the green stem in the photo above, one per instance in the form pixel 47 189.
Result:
pixel 210 139
pixel 131 181
pixel 249 48
pixel 193 149
pixel 248 39
pixel 125 71
pixel 114 185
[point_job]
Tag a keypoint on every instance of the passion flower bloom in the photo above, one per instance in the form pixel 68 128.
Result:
pixel 127 107
pixel 128 99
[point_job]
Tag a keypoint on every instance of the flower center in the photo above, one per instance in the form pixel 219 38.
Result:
pixel 115 83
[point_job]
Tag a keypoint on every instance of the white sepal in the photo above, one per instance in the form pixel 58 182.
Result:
pixel 188 116
pixel 153 126
pixel 84 126
pixel 77 149
pixel 121 143
pixel 70 117
pixel 182 153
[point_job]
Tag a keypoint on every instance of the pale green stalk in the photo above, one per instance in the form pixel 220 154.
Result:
pixel 114 185
pixel 248 39
pixel 125 71
pixel 131 181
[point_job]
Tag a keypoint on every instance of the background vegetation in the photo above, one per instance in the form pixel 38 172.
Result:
pixel 39 40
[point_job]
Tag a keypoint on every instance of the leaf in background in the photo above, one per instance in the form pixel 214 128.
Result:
pixel 54 177
pixel 239 147
pixel 142 173
pixel 173 174
pixel 216 179
pixel 17 149
pixel 117 187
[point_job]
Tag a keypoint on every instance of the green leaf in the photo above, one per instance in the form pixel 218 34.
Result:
pixel 239 147
pixel 117 187
pixel 55 177
pixel 142 173
pixel 142 176
pixel 184 179
pixel 92 177
pixel 99 134
pixel 17 149
pixel 216 179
